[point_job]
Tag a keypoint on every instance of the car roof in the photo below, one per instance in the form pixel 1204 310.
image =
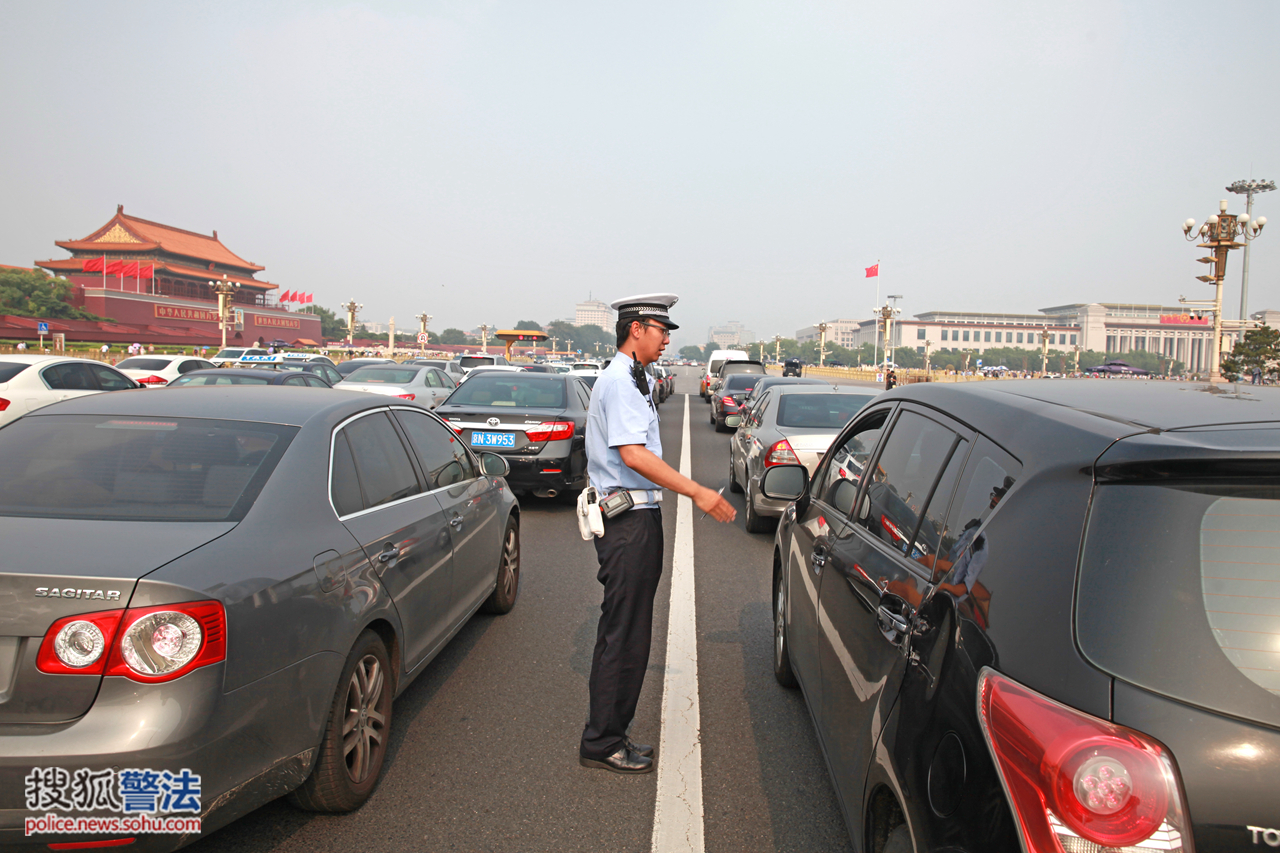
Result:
pixel 42 358
pixel 255 403
pixel 822 389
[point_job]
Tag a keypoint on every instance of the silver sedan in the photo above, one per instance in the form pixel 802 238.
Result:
pixel 428 386
pixel 788 424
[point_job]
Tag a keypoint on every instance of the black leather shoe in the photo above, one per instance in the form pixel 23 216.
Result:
pixel 639 748
pixel 623 761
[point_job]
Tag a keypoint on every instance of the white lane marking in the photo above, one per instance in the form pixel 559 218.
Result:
pixel 677 816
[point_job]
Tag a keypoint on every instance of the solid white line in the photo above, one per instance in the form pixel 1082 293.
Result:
pixel 677 816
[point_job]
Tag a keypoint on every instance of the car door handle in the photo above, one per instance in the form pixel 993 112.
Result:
pixel 819 558
pixel 389 553
pixel 456 522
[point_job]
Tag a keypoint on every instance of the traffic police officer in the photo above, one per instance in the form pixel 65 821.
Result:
pixel 624 453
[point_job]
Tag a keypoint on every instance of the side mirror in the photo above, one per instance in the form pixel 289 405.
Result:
pixel 733 421
pixel 785 482
pixel 494 465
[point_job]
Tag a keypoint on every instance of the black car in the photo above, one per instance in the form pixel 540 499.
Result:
pixel 225 376
pixel 1041 616
pixel 536 421
pixel 792 367
pixel 729 397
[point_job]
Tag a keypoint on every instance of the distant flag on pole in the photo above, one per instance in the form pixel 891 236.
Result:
pixel 285 297
pixel 93 264
pixel 873 270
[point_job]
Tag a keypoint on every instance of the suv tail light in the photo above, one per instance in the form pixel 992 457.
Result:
pixel 1077 782
pixel 148 644
pixel 550 431
pixel 153 380
pixel 780 453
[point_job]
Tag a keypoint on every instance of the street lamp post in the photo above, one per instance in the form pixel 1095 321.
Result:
pixel 1219 233
pixel 1248 189
pixel 1077 352
pixel 423 319
pixel 777 347
pixel 822 342
pixel 886 315
pixel 928 348
pixel 353 308
pixel 224 289
pixel 555 344
pixel 1045 337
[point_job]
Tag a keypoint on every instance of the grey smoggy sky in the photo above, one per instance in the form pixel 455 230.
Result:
pixel 499 161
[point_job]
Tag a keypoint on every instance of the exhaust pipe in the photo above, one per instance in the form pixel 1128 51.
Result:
pixel 546 493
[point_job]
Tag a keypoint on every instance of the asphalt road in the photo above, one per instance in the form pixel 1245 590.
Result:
pixel 483 755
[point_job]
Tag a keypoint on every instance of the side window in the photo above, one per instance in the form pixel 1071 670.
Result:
pixel 584 394
pixel 761 406
pixel 438 449
pixel 188 366
pixel 430 379
pixel 989 474
pixel 925 548
pixel 53 377
pixel 446 380
pixel 295 380
pixel 331 376
pixel 386 474
pixel 108 379
pixel 894 497
pixel 837 483
pixel 316 382
pixel 344 485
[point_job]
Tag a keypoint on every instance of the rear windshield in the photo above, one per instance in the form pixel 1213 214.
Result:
pixel 819 411
pixel 10 369
pixel 522 390
pixel 470 361
pixel 144 364
pixel 1180 593
pixel 136 468
pixel 387 375
pixel 216 379
pixel 740 382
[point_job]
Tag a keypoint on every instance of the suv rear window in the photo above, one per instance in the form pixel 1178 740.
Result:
pixel 135 468
pixel 1180 593
pixel 470 361
pixel 739 382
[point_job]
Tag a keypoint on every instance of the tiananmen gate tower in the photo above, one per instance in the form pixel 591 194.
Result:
pixel 177 304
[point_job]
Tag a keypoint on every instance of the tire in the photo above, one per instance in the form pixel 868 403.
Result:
pixel 720 426
pixel 734 485
pixel 348 766
pixel 756 523
pixel 504 594
pixel 781 652
pixel 899 841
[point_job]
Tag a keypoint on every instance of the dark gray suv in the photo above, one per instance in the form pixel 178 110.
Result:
pixel 1041 616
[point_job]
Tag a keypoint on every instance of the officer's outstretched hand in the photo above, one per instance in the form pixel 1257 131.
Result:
pixel 714 504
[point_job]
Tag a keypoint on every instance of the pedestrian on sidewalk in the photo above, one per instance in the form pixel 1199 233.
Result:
pixel 624 463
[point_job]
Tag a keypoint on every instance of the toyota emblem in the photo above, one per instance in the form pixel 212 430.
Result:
pixel 493 422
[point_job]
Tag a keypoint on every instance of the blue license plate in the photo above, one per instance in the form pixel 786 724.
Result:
pixel 493 439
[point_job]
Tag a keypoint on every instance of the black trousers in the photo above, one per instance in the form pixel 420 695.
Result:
pixel 630 554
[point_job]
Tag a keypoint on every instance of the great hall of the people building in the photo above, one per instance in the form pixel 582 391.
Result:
pixel 1101 327
pixel 177 304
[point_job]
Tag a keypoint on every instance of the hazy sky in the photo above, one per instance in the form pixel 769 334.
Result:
pixel 497 161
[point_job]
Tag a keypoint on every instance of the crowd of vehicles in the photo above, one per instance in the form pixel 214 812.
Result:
pixel 1022 615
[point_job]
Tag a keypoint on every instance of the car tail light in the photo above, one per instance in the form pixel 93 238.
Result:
pixel 166 642
pixel 153 380
pixel 457 428
pixel 407 396
pixel 728 401
pixel 780 453
pixel 892 529
pixel 77 645
pixel 550 431
pixel 4 404
pixel 146 644
pixel 1077 782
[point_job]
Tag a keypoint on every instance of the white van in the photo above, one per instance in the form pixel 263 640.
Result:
pixel 718 357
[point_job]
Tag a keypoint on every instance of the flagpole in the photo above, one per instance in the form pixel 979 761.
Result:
pixel 104 272
pixel 877 308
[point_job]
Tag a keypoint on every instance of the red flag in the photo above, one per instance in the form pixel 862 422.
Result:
pixel 93 264
pixel 286 297
pixel 129 268
pixel 114 267
pixel 149 271
pixel 873 271
pixel 310 297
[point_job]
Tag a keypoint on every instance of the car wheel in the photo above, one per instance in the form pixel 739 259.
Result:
pixel 503 597
pixel 734 485
pixel 755 522
pixel 899 841
pixel 781 652
pixel 355 741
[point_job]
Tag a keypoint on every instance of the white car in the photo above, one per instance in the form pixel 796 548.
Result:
pixel 229 356
pixel 156 371
pixel 30 382
pixel 426 385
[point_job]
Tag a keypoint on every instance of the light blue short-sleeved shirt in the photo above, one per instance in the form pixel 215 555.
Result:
pixel 619 415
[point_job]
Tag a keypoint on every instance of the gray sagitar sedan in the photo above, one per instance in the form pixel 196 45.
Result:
pixel 225 589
